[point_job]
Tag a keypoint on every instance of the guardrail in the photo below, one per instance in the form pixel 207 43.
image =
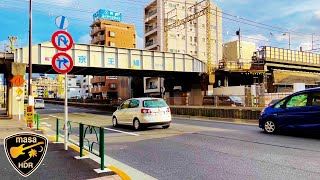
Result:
pixel 84 130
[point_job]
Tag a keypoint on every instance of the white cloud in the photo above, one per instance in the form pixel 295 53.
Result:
pixel 85 39
pixel 139 42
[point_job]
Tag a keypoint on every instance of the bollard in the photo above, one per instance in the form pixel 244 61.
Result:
pixel 38 121
pixel 101 147
pixel 81 139
pixel 57 130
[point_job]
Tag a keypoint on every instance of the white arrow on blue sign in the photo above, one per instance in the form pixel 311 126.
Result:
pixel 62 22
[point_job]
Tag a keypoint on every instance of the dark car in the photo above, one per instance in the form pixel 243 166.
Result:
pixel 300 110
pixel 223 100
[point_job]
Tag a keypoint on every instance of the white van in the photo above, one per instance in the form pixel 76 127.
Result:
pixel 39 104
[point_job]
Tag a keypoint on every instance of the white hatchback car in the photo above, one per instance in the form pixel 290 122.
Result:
pixel 143 112
pixel 39 104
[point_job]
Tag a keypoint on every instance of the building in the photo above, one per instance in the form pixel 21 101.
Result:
pixel 107 87
pixel 190 39
pixel 74 86
pixel 107 29
pixel 86 86
pixel 237 55
pixel 113 33
pixel 43 86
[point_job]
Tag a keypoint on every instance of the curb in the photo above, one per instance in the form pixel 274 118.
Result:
pixel 220 120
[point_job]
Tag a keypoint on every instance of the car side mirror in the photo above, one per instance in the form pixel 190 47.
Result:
pixel 118 108
pixel 283 106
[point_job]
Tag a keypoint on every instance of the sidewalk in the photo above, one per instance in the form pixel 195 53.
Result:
pixel 57 164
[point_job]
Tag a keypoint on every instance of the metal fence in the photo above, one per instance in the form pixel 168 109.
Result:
pixel 227 100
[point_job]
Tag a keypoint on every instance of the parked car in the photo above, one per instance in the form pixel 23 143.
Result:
pixel 39 104
pixel 300 110
pixel 222 100
pixel 143 112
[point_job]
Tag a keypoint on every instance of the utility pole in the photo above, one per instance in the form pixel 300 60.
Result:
pixel 12 40
pixel 238 33
pixel 30 53
pixel 289 41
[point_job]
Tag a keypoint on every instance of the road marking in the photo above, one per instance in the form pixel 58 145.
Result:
pixel 56 117
pixel 134 134
pixel 44 118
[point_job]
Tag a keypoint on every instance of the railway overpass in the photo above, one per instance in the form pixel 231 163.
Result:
pixel 97 60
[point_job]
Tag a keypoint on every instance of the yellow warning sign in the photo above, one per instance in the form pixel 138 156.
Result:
pixel 19 91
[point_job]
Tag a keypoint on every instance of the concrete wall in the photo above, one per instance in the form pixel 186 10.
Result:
pixel 233 90
pixel 232 54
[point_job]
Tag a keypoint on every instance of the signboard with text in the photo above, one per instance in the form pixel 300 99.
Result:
pixel 107 15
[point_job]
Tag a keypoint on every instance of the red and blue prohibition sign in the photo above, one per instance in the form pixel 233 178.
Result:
pixel 62 63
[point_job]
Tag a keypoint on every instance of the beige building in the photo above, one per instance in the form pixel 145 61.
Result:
pixel 238 55
pixel 189 39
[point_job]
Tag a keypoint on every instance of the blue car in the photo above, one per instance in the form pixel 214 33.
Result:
pixel 300 110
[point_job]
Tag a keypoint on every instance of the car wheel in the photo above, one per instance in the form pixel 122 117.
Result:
pixel 166 126
pixel 136 124
pixel 114 122
pixel 269 127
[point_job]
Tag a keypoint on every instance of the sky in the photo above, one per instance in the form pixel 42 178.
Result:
pixel 300 18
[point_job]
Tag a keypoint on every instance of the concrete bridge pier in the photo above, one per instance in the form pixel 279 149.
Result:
pixel 13 104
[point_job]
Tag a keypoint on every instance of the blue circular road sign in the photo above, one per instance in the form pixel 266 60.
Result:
pixel 62 22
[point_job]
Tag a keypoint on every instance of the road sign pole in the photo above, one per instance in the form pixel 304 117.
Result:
pixel 19 111
pixel 65 111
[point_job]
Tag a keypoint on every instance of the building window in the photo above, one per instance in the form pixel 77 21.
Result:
pixel 112 85
pixel 203 25
pixel 203 39
pixel 191 38
pixel 112 44
pixel 112 34
pixel 195 39
pixel 183 37
pixel 69 84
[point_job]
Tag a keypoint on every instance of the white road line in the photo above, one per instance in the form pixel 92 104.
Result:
pixel 122 132
pixel 55 116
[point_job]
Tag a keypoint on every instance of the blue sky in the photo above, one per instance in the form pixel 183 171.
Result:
pixel 302 18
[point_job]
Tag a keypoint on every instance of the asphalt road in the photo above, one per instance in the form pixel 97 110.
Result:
pixel 194 149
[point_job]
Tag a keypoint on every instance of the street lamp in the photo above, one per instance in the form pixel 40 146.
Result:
pixel 289 38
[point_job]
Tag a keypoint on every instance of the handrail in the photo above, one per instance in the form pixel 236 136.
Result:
pixel 85 129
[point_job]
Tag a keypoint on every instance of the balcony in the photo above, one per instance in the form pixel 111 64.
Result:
pixel 95 30
pixel 150 15
pixel 151 43
pixel 101 89
pixel 98 79
pixel 150 28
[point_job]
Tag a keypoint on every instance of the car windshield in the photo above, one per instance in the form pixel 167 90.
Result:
pixel 39 101
pixel 235 98
pixel 154 103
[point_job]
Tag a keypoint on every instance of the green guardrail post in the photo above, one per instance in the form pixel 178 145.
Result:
pixel 57 130
pixel 38 121
pixel 81 139
pixel 101 147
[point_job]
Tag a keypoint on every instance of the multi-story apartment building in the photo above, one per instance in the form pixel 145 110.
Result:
pixel 107 29
pixel 187 39
pixel 113 33
pixel 43 86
